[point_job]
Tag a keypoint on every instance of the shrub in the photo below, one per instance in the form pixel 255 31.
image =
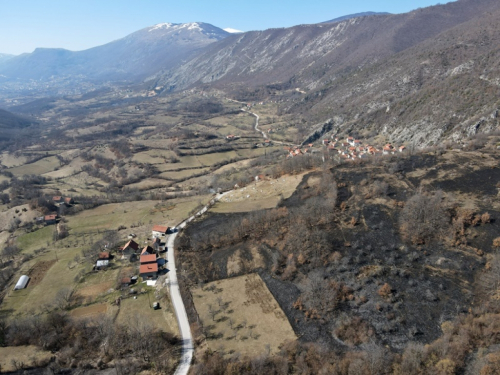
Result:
pixel 485 218
pixel 496 242
pixel 385 291
pixel 423 218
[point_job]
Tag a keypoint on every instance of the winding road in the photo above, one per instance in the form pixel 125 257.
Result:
pixel 175 293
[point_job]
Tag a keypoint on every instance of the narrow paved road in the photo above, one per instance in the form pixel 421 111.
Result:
pixel 175 296
pixel 180 310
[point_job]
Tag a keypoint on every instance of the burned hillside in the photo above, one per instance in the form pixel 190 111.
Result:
pixel 383 251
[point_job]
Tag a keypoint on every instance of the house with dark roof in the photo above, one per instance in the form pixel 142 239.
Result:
pixel 68 201
pixel 147 250
pixel 130 248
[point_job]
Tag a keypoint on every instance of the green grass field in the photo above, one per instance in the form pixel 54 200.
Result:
pixel 35 240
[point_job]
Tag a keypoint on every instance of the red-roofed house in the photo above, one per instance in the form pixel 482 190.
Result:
pixel 148 271
pixel 50 219
pixel 104 255
pixel 148 258
pixel 159 231
pixel 57 199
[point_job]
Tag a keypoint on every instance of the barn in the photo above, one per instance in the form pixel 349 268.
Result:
pixel 23 281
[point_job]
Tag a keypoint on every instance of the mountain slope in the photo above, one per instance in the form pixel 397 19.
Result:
pixel 134 57
pixel 5 57
pixel 447 87
pixel 310 54
pixel 356 15
pixel 11 124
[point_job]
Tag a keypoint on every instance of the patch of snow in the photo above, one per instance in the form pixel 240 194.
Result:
pixel 161 26
pixel 232 31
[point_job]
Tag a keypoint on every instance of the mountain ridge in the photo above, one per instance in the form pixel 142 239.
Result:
pixel 356 15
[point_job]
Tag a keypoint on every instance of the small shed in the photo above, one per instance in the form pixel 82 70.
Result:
pixel 104 255
pixel 100 264
pixel 23 281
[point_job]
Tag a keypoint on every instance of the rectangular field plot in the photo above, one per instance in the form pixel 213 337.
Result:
pixel 240 315
pixel 180 175
pixel 135 311
pixel 39 167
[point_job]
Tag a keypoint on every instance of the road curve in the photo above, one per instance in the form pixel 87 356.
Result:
pixel 180 310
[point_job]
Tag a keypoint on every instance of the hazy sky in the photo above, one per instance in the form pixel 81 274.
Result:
pixel 81 24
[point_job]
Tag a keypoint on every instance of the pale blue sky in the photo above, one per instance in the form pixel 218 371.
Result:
pixel 81 24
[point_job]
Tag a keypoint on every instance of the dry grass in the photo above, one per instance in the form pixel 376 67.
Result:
pixel 39 167
pixel 259 195
pixel 163 318
pixel 256 318
pixel 89 311
pixel 178 175
pixel 111 216
pixel 56 277
pixel 29 355
pixel 10 214
pixel 149 183
pixel 10 160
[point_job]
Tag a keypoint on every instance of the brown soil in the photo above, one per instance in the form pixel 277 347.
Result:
pixel 95 290
pixel 89 310
pixel 37 273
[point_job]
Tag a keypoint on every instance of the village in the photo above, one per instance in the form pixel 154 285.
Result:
pixel 348 149
pixel 150 263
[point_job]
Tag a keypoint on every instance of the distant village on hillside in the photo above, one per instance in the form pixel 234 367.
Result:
pixel 349 149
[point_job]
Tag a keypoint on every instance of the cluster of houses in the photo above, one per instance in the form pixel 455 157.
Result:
pixel 148 256
pixel 59 201
pixel 348 149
